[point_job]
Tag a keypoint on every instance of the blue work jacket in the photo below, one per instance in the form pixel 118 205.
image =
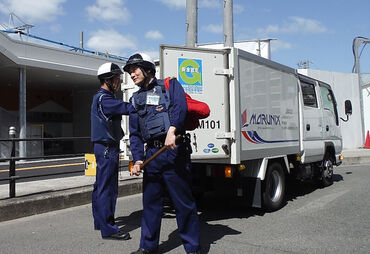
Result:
pixel 106 116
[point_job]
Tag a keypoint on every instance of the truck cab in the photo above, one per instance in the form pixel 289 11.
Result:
pixel 320 122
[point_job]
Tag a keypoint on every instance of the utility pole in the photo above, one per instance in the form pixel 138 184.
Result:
pixel 356 43
pixel 228 23
pixel 191 23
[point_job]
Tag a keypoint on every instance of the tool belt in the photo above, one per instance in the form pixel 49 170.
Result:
pixel 159 142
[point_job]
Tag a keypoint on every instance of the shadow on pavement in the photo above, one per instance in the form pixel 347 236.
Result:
pixel 130 222
pixel 214 207
pixel 297 189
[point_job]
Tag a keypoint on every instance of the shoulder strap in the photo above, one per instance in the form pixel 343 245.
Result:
pixel 164 85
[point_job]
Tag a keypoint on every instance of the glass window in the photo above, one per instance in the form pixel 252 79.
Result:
pixel 328 101
pixel 309 95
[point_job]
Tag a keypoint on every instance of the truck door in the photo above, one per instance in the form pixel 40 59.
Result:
pixel 331 131
pixel 197 71
pixel 312 121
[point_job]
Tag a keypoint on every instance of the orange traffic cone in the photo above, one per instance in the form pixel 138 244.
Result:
pixel 367 141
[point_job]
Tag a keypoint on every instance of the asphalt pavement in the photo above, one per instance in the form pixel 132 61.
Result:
pixel 54 194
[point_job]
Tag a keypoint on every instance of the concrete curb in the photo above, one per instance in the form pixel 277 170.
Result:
pixel 355 160
pixel 19 207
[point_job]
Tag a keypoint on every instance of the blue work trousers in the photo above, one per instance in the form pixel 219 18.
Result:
pixel 177 181
pixel 104 195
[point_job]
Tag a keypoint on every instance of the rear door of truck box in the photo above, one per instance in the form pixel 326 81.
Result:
pixel 197 71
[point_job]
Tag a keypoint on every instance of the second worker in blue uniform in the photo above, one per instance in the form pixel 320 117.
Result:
pixel 158 117
pixel 106 133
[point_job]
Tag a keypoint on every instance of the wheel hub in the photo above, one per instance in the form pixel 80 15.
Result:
pixel 328 169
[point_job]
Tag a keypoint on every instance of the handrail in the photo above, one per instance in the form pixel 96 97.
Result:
pixel 12 159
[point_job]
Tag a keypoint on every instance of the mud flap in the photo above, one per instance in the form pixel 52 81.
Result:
pixel 249 190
pixel 257 201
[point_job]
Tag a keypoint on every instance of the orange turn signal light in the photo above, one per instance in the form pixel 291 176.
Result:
pixel 228 172
pixel 130 166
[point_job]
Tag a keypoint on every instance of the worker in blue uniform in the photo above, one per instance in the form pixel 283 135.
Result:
pixel 106 133
pixel 158 116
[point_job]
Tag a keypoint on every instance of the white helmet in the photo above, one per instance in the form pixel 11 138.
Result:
pixel 109 70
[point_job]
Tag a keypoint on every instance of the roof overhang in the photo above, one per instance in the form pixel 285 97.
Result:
pixel 47 66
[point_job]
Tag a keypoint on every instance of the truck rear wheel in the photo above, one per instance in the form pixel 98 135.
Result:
pixel 273 188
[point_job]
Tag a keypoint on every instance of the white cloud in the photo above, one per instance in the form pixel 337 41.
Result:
pixel 111 41
pixel 33 11
pixel 154 35
pixel 181 4
pixel 211 28
pixel 178 4
pixel 277 45
pixel 154 54
pixel 111 10
pixel 294 26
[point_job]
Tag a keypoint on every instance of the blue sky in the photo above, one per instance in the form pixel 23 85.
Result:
pixel 318 31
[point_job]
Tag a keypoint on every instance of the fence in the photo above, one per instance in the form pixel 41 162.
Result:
pixel 12 159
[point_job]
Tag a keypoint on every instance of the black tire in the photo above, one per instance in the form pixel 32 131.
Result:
pixel 326 171
pixel 273 187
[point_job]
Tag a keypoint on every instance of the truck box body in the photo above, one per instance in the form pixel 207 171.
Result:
pixel 266 121
pixel 253 101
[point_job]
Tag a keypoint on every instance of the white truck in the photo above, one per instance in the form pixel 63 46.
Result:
pixel 266 122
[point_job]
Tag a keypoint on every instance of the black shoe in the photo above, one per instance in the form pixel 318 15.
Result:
pixel 118 236
pixel 144 251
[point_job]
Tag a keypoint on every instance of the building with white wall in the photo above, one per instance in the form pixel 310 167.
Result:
pixel 50 89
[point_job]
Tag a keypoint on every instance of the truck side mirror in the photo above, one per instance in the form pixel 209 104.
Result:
pixel 347 110
pixel 348 107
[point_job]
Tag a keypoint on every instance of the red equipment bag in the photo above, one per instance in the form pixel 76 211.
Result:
pixel 196 109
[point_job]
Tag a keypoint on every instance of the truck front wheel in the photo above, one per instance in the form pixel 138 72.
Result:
pixel 327 171
pixel 273 187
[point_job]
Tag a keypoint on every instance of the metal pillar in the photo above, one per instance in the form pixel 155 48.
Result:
pixel 356 43
pixel 12 132
pixel 81 40
pixel 191 23
pixel 22 112
pixel 228 23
